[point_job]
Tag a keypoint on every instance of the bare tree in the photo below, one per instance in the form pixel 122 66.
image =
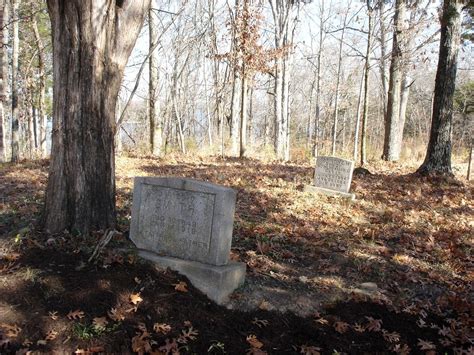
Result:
pixel 285 15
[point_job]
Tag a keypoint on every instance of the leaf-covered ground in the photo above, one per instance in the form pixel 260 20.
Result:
pixel 390 272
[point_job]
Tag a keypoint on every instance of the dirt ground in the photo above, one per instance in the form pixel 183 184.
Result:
pixel 390 272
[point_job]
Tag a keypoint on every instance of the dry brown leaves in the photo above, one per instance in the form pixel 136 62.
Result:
pixel 181 286
pixel 10 331
pixel 162 328
pixel 77 314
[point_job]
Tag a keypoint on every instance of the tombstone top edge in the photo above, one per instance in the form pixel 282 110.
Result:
pixel 183 184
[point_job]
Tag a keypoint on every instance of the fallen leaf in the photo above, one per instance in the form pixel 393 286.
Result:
pixel 374 324
pixel 52 334
pixel 162 328
pixel 142 327
pixel 77 314
pixel 53 315
pixel 254 342
pixel 322 321
pixel 425 345
pixel 170 347
pixel 100 322
pixel 141 343
pixel 116 315
pixel 402 350
pixel 187 334
pixel 181 286
pixel 391 337
pixel 341 327
pixel 135 298
pixel 11 331
pixel 260 322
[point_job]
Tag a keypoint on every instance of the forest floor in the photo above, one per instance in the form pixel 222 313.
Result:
pixel 390 272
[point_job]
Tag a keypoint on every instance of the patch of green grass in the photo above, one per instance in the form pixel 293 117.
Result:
pixel 89 331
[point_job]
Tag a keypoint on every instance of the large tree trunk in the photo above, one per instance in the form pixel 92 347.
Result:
pixel 156 122
pixel 392 119
pixel 42 86
pixel 92 41
pixel 15 111
pixel 3 75
pixel 438 155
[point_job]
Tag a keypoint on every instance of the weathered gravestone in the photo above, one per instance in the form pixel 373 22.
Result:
pixel 187 225
pixel 332 176
pixel 470 165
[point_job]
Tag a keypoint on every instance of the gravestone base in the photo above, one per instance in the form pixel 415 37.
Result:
pixel 320 190
pixel 216 282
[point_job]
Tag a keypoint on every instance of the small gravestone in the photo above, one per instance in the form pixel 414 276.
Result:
pixel 187 225
pixel 332 176
pixel 470 165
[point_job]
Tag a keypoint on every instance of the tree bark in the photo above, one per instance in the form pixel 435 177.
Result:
pixel 3 75
pixel 92 41
pixel 438 155
pixel 15 112
pixel 392 119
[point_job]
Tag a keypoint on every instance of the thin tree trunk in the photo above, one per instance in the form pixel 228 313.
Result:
pixel 41 89
pixel 357 125
pixel 15 112
pixel 3 75
pixel 92 41
pixel 208 110
pixel 403 111
pixel 438 155
pixel 338 80
pixel 392 119
pixel 154 116
pixel 234 113
pixel 383 54
pixel 363 145
pixel 243 114
pixel 318 89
